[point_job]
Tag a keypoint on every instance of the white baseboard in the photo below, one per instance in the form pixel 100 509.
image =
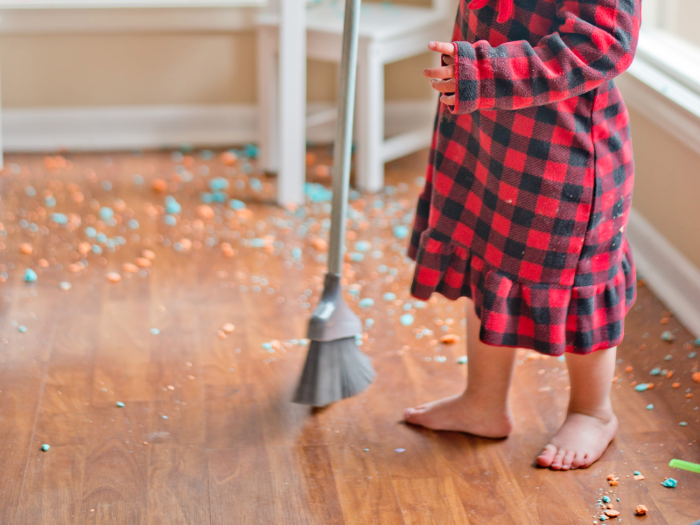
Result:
pixel 133 127
pixel 667 272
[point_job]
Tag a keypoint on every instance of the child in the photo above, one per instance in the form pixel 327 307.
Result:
pixel 525 204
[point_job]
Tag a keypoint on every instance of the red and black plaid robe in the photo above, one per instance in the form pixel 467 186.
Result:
pixel 529 182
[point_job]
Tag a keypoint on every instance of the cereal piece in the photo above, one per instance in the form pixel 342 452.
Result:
pixel 205 212
pixel 221 334
pixel 696 377
pixel 670 483
pixel 669 374
pixel 229 158
pixel 45 447
pixel 310 159
pixel 159 185
pixel 30 275
pixel 120 404
pixel 228 328
pixel 143 262
pixel 640 510
pixel 638 477
pixel 320 244
pixel 628 369
pixel 612 480
pixel 148 254
pixel 25 248
pixel 675 385
pixel 668 336
pixel 227 249
pixel 449 339
pixel 130 268
pixel 114 277
pixel 611 513
pixel 322 170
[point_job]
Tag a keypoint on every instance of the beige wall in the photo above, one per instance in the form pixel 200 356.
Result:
pixel 667 184
pixel 93 70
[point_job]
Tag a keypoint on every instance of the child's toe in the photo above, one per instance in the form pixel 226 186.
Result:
pixel 558 458
pixel 547 455
pixel 566 463
pixel 578 460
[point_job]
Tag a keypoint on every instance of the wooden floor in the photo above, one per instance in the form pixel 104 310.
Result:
pixel 208 434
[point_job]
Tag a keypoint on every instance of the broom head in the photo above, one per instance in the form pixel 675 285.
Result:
pixel 333 371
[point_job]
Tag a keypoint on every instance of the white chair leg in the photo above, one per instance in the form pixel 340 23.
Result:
pixel 292 128
pixel 2 151
pixel 268 98
pixel 370 119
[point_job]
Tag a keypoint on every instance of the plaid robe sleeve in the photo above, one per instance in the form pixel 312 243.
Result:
pixel 596 41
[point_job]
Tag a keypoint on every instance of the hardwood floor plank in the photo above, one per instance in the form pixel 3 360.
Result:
pixel 232 447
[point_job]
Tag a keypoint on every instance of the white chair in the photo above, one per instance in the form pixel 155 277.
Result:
pixel 388 33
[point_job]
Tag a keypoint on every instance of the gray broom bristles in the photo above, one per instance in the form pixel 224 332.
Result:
pixel 333 371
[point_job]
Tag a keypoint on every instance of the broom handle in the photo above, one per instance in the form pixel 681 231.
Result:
pixel 343 137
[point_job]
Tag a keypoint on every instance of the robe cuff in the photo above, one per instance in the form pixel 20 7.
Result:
pixel 466 79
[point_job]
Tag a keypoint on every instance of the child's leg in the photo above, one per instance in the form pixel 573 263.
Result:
pixel 590 423
pixel 482 409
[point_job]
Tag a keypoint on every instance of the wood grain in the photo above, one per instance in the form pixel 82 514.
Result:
pixel 232 448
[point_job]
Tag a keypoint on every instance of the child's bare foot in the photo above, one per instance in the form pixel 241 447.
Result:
pixel 463 413
pixel 579 442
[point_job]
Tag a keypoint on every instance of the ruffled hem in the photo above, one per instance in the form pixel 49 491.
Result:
pixel 546 318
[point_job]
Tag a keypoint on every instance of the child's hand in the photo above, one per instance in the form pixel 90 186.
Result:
pixel 443 78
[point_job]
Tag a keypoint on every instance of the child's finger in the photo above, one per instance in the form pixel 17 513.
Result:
pixel 444 86
pixel 446 48
pixel 443 72
pixel 448 100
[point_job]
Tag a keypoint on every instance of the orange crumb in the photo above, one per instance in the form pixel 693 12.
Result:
pixel 633 383
pixel 205 212
pixel 228 328
pixel 449 339
pixel 229 158
pixel 114 277
pixel 628 369
pixel 640 510
pixel 148 254
pixel 142 262
pixel 26 248
pixel 689 395
pixel 669 374
pixel 320 244
pixel 676 384
pixel 322 170
pixel 310 159
pixel 610 513
pixel 159 185
pixel 43 263
pixel 650 386
pixel 130 268
pixel 696 377
pixel 221 334
pixel 664 320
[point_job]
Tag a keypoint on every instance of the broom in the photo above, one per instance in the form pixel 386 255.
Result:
pixel 335 367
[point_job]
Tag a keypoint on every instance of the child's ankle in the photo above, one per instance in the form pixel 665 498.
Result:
pixel 604 412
